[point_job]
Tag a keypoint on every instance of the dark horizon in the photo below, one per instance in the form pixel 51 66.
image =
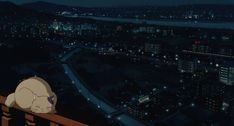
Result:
pixel 124 3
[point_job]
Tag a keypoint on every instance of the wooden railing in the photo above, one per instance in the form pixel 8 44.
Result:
pixel 53 119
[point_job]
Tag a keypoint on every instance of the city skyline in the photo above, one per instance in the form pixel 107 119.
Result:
pixel 117 66
pixel 102 3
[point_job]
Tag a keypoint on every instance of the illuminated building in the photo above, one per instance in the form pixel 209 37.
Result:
pixel 197 47
pixel 226 74
pixel 152 48
pixel 187 66
pixel 210 96
pixel 226 51
pixel 143 99
pixel 212 104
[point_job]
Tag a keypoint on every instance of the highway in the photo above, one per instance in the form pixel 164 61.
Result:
pixel 208 54
pixel 122 118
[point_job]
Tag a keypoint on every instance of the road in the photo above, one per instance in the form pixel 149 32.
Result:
pixel 122 118
pixel 208 54
pixel 69 54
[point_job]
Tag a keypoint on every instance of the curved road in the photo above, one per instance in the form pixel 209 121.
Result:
pixel 100 104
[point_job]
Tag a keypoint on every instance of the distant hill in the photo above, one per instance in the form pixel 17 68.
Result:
pixel 13 12
pixel 47 7
pixel 8 8
pixel 214 12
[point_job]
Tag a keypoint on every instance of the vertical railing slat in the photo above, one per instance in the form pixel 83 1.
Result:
pixel 30 121
pixel 53 124
pixel 6 116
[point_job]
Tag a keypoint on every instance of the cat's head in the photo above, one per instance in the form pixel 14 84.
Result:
pixel 44 104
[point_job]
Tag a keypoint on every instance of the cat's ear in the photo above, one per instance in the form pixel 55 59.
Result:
pixel 10 101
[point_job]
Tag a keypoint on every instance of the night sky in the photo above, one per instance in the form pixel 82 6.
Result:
pixel 91 3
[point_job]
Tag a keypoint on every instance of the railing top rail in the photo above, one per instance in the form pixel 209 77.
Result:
pixel 51 117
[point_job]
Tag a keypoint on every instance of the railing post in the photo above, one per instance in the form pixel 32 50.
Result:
pixel 6 116
pixel 53 124
pixel 9 117
pixel 30 121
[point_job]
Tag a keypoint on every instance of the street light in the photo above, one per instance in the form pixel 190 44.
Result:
pixel 192 104
pixel 180 104
pixel 108 116
pixel 80 91
pixel 198 61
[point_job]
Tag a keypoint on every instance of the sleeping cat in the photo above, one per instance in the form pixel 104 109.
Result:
pixel 33 94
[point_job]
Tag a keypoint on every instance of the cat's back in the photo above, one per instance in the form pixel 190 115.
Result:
pixel 36 85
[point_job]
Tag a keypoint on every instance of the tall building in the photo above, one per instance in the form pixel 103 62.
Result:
pixel 187 66
pixel 213 104
pixel 210 95
pixel 146 29
pixel 226 51
pixel 226 74
pixel 201 48
pixel 210 90
pixel 152 48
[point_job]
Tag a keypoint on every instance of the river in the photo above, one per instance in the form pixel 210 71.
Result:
pixel 192 24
